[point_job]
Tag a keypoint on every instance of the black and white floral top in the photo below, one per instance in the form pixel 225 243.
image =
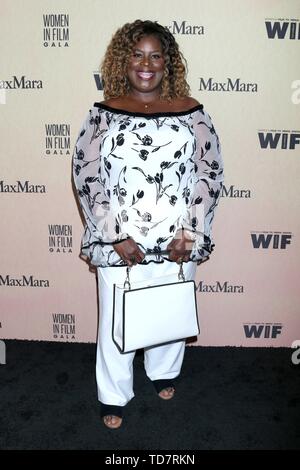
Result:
pixel 146 176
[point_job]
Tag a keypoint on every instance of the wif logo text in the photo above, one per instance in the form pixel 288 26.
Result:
pixel 262 330
pixel 285 140
pixel 275 240
pixel 283 28
pixel 98 81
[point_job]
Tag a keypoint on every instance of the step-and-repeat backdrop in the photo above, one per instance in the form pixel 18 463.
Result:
pixel 243 65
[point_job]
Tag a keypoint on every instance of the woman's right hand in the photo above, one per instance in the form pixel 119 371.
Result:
pixel 129 251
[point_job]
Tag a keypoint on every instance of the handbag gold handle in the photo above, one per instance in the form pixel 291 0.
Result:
pixel 127 285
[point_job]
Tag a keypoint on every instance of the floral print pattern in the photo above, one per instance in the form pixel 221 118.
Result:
pixel 146 176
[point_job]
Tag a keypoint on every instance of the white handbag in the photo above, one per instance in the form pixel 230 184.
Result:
pixel 156 311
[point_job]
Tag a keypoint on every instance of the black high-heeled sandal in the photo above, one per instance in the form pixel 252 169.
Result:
pixel 111 410
pixel 162 384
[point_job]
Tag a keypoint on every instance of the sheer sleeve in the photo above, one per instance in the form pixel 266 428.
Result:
pixel 101 226
pixel 208 180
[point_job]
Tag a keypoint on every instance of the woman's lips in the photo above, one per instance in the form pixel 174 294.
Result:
pixel 145 75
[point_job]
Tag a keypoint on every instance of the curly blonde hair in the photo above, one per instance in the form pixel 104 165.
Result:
pixel 113 68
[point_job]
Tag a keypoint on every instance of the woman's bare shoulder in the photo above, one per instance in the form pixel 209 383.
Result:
pixel 185 104
pixel 191 102
pixel 113 102
pixel 177 104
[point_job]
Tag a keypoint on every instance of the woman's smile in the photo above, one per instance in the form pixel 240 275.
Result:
pixel 145 75
pixel 146 66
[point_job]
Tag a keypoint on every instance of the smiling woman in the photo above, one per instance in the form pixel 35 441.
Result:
pixel 142 52
pixel 148 171
pixel 145 69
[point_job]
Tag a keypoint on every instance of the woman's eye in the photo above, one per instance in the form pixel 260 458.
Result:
pixel 139 55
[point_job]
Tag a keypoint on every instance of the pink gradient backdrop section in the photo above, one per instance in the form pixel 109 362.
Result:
pixel 262 283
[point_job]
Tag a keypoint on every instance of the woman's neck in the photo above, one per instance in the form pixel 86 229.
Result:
pixel 144 99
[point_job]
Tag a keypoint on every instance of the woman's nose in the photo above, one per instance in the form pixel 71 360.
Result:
pixel 145 61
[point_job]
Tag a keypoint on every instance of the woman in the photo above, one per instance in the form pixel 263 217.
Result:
pixel 148 172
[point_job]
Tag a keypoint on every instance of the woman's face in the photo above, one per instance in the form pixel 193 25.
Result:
pixel 146 65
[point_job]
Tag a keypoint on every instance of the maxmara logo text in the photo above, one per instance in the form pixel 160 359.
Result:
pixel 234 192
pixel 56 30
pixel 21 187
pixel 184 28
pixel 282 28
pixel 230 84
pixel 23 281
pixel 20 83
pixel 224 287
pixel 278 139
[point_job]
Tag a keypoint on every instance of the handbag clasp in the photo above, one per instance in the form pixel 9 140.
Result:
pixel 181 275
pixel 127 285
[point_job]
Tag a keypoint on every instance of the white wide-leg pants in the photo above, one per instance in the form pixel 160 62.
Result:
pixel 114 370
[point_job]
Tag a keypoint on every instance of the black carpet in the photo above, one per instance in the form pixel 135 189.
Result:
pixel 226 398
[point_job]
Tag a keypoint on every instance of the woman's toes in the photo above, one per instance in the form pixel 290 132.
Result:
pixel 167 393
pixel 112 422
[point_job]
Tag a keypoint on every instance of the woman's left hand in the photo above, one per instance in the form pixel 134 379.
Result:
pixel 180 247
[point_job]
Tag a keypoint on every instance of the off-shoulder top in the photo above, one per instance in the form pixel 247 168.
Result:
pixel 146 176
